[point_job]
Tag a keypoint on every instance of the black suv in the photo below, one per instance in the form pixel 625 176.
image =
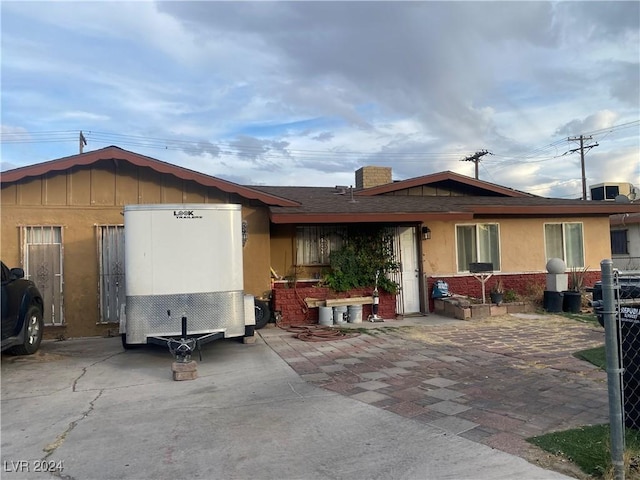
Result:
pixel 22 305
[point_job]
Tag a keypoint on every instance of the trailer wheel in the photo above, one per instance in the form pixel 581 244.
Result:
pixel 263 313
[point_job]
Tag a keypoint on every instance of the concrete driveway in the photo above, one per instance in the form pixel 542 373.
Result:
pixel 102 413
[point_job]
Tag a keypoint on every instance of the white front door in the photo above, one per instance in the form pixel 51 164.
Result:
pixel 410 273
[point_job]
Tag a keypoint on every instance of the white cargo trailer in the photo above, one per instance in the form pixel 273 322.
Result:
pixel 183 264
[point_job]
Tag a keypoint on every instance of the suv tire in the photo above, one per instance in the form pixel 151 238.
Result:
pixel 33 330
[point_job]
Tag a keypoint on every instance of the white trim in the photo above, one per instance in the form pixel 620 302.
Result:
pixel 476 224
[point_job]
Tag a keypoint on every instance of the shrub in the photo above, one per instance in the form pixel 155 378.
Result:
pixel 510 296
pixel 366 251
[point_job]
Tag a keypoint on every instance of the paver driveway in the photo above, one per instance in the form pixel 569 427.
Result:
pixel 497 381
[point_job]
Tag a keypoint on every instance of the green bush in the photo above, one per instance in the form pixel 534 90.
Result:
pixel 366 251
pixel 510 296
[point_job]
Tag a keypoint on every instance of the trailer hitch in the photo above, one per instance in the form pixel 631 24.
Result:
pixel 182 348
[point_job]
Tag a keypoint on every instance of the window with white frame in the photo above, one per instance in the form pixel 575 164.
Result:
pixel 478 243
pixel 565 241
pixel 314 244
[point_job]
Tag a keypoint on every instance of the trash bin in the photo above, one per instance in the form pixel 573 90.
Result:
pixel 630 354
pixel 354 313
pixel 571 301
pixel 340 315
pixel 552 301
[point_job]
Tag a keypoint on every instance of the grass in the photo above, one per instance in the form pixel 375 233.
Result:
pixel 596 356
pixel 588 447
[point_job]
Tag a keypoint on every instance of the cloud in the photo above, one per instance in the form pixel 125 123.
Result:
pixel 323 137
pixel 201 148
pixel 307 92
pixel 597 121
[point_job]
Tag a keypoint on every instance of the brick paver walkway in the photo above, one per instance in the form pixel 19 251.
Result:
pixel 495 381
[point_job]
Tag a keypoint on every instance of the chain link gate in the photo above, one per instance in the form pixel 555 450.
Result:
pixel 617 306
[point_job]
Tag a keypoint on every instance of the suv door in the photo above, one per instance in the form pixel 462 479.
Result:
pixel 10 304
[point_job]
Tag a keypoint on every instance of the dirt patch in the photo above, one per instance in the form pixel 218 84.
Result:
pixel 556 463
pixel 37 357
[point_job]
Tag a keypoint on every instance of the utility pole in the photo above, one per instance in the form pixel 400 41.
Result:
pixel 475 158
pixel 581 139
pixel 82 141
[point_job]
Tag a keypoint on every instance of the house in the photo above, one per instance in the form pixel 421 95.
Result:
pixel 444 222
pixel 625 241
pixel 62 221
pixel 625 227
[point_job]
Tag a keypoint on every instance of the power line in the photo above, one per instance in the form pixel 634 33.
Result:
pixel 271 150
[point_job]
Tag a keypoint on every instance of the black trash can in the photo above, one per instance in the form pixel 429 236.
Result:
pixel 630 324
pixel 571 301
pixel 552 301
pixel 629 355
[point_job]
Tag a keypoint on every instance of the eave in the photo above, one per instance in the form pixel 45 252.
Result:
pixel 556 210
pixel 412 217
pixel 118 154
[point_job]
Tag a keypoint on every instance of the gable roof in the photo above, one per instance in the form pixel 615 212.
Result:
pixel 445 180
pixel 116 153
pixel 327 205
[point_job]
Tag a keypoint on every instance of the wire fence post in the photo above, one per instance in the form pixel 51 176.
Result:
pixel 614 370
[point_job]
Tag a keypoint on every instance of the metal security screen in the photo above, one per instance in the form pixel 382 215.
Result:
pixel 43 265
pixel 111 265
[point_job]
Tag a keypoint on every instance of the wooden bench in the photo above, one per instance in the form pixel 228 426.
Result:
pixel 337 302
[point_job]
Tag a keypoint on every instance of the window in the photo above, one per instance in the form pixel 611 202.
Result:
pixel 314 244
pixel 478 243
pixel 565 241
pixel 619 245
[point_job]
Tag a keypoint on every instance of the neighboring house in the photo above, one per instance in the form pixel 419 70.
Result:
pixel 625 227
pixel 62 221
pixel 625 241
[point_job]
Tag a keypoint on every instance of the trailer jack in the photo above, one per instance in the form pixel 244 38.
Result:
pixel 183 348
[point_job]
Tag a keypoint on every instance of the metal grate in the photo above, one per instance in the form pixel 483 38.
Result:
pixel 43 265
pixel 112 271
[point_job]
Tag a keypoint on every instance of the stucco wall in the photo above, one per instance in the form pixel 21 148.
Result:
pixel 79 199
pixel 522 247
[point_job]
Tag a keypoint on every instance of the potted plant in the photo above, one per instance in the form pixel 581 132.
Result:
pixel 572 298
pixel 497 292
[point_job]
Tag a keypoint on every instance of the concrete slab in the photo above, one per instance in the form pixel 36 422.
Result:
pixel 103 413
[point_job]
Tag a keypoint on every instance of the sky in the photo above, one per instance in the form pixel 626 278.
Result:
pixel 305 93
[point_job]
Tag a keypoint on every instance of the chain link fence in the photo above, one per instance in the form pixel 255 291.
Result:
pixel 617 304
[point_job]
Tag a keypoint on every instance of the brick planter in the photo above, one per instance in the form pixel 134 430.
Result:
pixel 462 309
pixel 467 285
pixel 288 300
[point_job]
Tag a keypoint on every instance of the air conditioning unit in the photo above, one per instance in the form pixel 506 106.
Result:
pixel 609 191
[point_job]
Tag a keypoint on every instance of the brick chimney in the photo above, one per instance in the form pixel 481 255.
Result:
pixel 367 177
